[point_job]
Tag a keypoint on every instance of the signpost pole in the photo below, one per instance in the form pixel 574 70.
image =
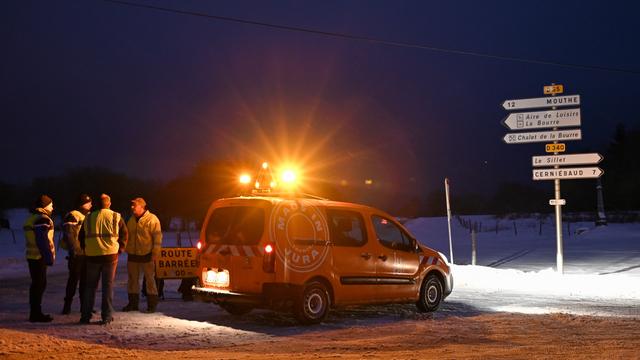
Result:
pixel 558 206
pixel 446 190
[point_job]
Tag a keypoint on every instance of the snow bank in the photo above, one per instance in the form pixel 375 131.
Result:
pixel 546 282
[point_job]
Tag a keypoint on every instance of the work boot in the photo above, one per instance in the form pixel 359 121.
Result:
pixel 40 317
pixel 152 303
pixel 134 300
pixel 66 309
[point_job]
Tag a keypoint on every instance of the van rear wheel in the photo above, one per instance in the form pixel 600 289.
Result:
pixel 313 305
pixel 236 309
pixel 431 294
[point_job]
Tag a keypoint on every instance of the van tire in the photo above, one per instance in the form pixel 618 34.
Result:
pixel 236 309
pixel 313 304
pixel 431 294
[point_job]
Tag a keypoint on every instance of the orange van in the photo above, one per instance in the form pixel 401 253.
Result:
pixel 309 255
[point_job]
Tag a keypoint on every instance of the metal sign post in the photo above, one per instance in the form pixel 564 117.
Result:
pixel 558 207
pixel 446 191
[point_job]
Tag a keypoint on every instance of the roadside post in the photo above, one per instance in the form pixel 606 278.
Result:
pixel 446 191
pixel 554 119
pixel 474 245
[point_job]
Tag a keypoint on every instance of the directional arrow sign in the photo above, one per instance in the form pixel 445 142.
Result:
pixel 542 119
pixel 569 159
pixel 568 100
pixel 542 136
pixel 567 173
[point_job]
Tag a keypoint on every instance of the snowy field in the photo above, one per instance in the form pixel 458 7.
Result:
pixel 512 304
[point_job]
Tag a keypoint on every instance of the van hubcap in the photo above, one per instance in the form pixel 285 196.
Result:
pixel 315 304
pixel 432 294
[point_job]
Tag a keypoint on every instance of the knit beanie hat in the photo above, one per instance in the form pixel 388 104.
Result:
pixel 43 201
pixel 83 199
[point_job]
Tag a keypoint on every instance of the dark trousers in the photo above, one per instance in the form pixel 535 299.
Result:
pixel 77 274
pixel 38 272
pixel 96 271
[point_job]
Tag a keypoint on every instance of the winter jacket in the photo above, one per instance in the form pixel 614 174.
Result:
pixel 145 237
pixel 103 235
pixel 72 226
pixel 38 233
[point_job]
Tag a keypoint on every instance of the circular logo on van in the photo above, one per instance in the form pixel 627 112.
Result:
pixel 301 235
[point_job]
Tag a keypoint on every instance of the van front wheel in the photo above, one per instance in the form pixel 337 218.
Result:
pixel 313 305
pixel 431 294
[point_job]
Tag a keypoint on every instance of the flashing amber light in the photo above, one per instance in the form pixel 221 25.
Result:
pixel 288 176
pixel 265 165
pixel 368 182
pixel 268 249
pixel 245 179
pixel 199 245
pixel 257 185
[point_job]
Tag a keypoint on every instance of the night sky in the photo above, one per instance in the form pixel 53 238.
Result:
pixel 151 94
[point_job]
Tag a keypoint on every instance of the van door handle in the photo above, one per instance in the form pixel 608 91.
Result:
pixel 383 257
pixel 366 256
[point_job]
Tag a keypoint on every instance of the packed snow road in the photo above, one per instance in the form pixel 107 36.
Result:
pixel 514 306
pixel 187 329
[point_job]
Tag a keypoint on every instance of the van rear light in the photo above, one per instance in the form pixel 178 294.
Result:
pixel 199 245
pixel 269 258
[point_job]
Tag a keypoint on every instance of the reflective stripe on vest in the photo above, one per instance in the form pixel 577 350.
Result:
pixel 76 226
pixel 101 233
pixel 31 247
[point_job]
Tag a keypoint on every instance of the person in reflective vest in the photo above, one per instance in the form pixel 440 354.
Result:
pixel 76 261
pixel 145 243
pixel 40 252
pixel 103 237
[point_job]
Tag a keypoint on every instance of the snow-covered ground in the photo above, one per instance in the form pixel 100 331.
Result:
pixel 512 304
pixel 516 273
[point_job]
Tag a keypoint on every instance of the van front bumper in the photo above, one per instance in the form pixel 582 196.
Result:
pixel 448 286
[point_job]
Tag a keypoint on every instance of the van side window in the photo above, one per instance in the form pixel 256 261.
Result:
pixel 346 227
pixel 390 235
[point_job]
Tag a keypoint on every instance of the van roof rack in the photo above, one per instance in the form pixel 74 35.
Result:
pixel 285 195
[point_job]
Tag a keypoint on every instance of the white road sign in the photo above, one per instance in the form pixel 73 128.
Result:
pixel 542 119
pixel 567 173
pixel 549 101
pixel 558 202
pixel 568 159
pixel 542 136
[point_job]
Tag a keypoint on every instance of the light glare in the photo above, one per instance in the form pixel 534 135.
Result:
pixel 288 176
pixel 245 179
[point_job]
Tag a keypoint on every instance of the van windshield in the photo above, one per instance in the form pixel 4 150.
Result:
pixel 238 225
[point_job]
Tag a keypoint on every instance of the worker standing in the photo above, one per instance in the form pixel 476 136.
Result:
pixel 103 237
pixel 40 252
pixel 145 243
pixel 76 261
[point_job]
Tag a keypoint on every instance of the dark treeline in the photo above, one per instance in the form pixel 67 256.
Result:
pixel 189 196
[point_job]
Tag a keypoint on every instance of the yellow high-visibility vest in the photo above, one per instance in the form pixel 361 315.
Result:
pixel 101 232
pixel 32 250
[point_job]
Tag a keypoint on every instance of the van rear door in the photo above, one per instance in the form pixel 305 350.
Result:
pixel 233 237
